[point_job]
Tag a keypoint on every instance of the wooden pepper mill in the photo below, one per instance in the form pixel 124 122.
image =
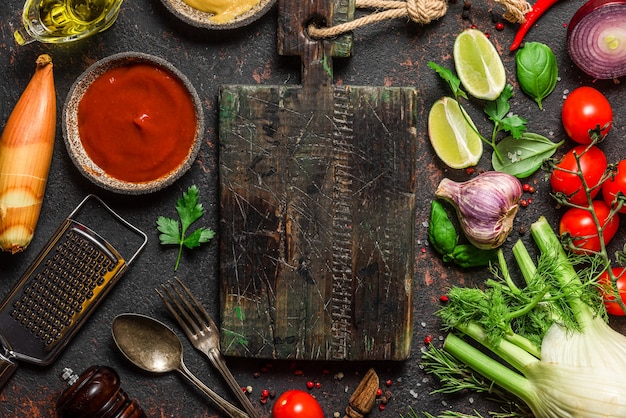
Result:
pixel 96 393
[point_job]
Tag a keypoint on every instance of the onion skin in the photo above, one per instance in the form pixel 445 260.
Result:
pixel 603 56
pixel 486 206
pixel 26 149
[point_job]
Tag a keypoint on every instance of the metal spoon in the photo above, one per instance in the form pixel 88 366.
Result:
pixel 152 346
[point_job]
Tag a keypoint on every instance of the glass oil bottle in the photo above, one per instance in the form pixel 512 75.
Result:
pixel 60 21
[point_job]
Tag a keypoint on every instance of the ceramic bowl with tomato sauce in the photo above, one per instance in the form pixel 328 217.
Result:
pixel 133 123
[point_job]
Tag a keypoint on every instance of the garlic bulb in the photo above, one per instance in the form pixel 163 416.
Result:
pixel 486 206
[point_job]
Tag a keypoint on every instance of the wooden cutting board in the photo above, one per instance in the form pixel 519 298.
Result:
pixel 317 195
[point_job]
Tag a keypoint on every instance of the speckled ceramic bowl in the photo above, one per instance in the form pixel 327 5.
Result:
pixel 202 19
pixel 71 132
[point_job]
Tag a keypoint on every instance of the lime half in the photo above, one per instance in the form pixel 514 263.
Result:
pixel 452 135
pixel 478 65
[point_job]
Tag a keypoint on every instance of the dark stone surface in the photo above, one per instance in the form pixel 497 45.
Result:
pixel 393 53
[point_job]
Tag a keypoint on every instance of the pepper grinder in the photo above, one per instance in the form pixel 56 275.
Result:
pixel 96 393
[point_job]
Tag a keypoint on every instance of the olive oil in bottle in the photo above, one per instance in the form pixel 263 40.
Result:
pixel 58 21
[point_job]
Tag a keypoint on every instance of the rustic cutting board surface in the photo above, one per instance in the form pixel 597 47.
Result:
pixel 317 198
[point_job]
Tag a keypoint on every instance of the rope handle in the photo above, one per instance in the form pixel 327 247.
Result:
pixel 419 11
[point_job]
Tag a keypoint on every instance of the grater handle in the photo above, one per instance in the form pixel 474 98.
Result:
pixel 7 369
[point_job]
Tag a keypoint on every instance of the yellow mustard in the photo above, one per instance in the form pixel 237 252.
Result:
pixel 223 10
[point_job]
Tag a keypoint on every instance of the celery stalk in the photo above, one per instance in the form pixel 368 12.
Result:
pixel 491 369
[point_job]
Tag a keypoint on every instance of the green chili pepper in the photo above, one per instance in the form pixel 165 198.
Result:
pixel 442 234
pixel 467 255
pixel 537 70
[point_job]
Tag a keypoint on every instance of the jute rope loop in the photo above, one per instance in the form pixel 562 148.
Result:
pixel 419 11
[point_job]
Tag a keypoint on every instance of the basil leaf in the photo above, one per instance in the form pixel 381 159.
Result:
pixel 467 255
pixel 442 234
pixel 537 71
pixel 523 156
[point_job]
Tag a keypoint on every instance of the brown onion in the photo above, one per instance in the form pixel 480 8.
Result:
pixel 596 38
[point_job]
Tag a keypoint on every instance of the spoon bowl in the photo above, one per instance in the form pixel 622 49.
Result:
pixel 147 343
pixel 152 346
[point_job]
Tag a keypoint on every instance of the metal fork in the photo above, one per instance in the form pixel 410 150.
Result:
pixel 202 332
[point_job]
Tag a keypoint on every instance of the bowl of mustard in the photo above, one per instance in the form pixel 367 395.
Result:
pixel 133 123
pixel 218 14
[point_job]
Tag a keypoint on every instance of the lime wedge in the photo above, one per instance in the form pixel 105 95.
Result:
pixel 478 65
pixel 453 137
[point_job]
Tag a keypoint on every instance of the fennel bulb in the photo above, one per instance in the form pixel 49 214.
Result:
pixel 564 360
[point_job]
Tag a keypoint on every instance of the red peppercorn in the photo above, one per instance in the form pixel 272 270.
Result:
pixel 499 26
pixel 428 339
pixel 263 401
pixel 487 35
pixel 381 406
pixel 444 298
pixel 310 384
pixel 526 187
pixel 523 203
pixel 265 393
pixel 298 372
pixel 379 392
pixel 318 385
pixel 470 170
pixel 244 389
pixel 531 189
pixel 388 382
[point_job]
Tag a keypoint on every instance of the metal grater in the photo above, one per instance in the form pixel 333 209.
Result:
pixel 63 286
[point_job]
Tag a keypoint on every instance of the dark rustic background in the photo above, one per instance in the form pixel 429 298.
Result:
pixel 392 53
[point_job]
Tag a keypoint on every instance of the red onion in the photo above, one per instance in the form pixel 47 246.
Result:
pixel 596 38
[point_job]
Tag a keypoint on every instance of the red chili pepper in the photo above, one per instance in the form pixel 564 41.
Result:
pixel 538 9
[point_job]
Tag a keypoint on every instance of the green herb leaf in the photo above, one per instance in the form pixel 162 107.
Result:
pixel 537 70
pixel 170 230
pixel 523 156
pixel 197 237
pixel 453 81
pixel 499 108
pixel 442 234
pixel 189 211
pixel 499 112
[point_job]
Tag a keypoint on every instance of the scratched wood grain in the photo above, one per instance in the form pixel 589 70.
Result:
pixel 317 195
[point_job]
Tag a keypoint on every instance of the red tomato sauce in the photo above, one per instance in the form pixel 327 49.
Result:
pixel 137 122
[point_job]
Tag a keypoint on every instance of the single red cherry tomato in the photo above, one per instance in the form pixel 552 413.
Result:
pixel 608 292
pixel 592 165
pixel 297 404
pixel 584 109
pixel 579 224
pixel 615 184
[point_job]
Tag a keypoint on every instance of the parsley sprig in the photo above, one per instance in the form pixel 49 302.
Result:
pixel 175 233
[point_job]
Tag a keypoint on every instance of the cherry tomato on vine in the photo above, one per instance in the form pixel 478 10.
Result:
pixel 608 292
pixel 592 165
pixel 615 184
pixel 586 108
pixel 297 404
pixel 579 224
